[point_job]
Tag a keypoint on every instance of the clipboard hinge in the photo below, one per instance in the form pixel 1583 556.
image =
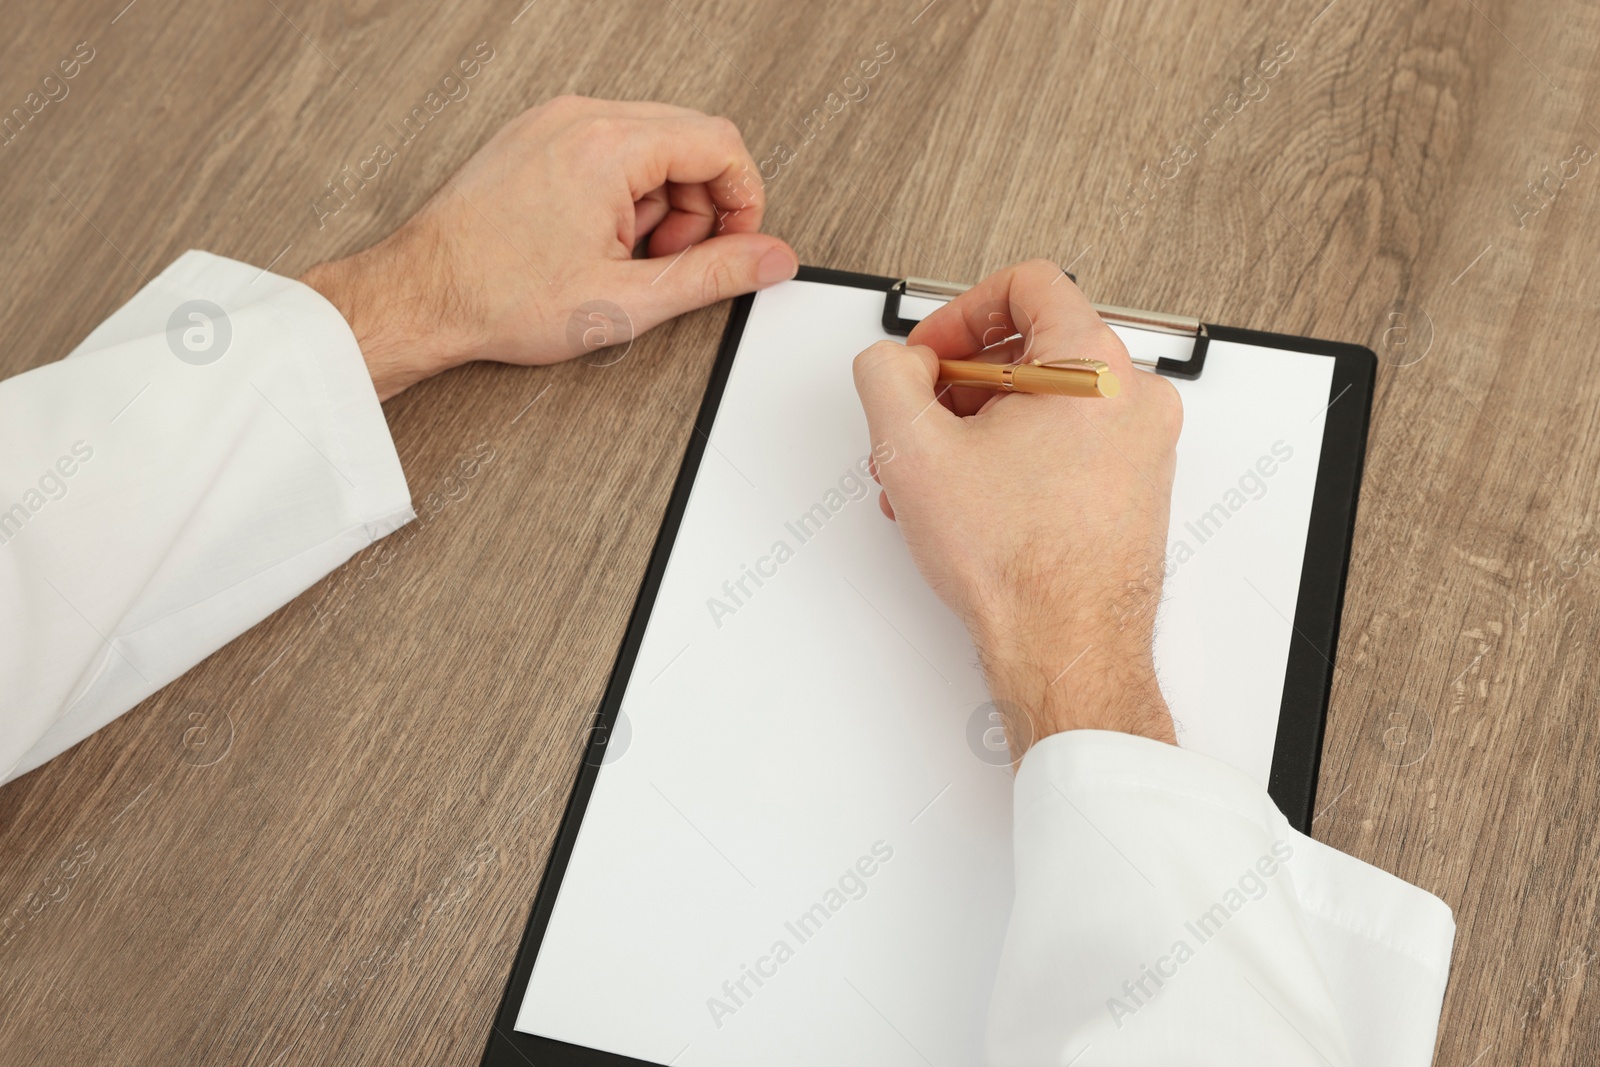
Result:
pixel 1154 321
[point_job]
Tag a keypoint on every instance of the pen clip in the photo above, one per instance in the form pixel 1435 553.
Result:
pixel 1098 366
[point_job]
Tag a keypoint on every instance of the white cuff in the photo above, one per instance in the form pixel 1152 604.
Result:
pixel 216 490
pixel 1167 912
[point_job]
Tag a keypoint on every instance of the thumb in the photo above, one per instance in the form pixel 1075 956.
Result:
pixel 897 389
pixel 718 268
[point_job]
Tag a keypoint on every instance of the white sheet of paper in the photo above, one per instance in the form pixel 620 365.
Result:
pixel 802 855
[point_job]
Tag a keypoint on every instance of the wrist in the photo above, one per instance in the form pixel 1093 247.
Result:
pixel 1049 672
pixel 397 301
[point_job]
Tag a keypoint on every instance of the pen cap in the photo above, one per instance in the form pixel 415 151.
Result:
pixel 1061 381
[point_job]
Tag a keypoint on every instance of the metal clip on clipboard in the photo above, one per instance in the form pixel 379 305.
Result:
pixel 1154 321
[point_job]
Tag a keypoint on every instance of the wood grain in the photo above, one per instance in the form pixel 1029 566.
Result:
pixel 341 872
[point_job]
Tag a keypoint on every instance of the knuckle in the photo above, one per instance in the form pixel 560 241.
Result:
pixel 1044 268
pixel 1168 405
pixel 555 109
pixel 717 281
pixel 726 129
pixel 879 353
pixel 552 119
pixel 874 363
pixel 565 103
pixel 1107 347
pixel 604 128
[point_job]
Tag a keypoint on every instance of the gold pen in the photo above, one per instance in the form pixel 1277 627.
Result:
pixel 1062 377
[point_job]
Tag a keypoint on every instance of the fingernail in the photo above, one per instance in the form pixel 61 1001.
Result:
pixel 776 266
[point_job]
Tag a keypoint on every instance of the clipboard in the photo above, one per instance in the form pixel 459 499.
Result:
pixel 626 944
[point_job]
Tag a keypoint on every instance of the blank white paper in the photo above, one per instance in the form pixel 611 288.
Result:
pixel 802 856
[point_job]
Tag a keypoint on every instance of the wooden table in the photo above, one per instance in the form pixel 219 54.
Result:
pixel 320 846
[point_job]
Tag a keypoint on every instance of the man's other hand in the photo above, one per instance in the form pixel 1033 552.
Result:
pixel 635 211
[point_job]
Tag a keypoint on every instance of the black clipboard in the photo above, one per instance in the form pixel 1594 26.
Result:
pixel 1308 677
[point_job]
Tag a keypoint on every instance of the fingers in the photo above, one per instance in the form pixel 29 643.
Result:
pixel 648 213
pixel 697 193
pixel 698 162
pixel 692 218
pixel 968 401
pixel 702 274
pixel 896 385
pixel 697 150
pixel 1034 299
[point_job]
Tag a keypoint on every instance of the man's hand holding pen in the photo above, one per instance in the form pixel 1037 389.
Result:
pixel 990 491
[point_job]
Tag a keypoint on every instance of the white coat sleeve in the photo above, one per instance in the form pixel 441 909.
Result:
pixel 207 453
pixel 1166 913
